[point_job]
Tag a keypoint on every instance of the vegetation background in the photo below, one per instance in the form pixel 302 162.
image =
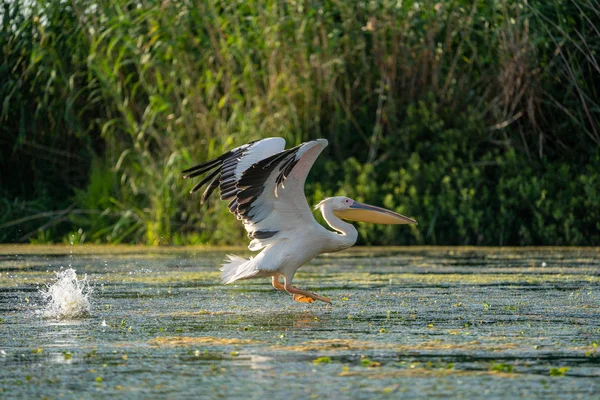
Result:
pixel 480 119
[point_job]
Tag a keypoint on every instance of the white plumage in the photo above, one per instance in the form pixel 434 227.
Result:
pixel 265 186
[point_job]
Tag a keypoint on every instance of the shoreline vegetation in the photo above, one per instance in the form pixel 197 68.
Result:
pixel 7 249
pixel 62 248
pixel 480 119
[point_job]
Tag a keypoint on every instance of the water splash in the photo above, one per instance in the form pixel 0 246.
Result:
pixel 68 297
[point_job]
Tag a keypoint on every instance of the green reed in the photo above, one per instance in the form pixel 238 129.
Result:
pixel 478 118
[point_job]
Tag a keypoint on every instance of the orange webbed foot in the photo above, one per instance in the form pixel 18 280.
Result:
pixel 300 298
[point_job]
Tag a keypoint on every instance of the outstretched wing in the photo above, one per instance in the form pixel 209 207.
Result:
pixel 268 194
pixel 271 193
pixel 227 169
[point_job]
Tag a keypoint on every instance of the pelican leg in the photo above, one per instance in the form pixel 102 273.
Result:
pixel 275 282
pixel 303 296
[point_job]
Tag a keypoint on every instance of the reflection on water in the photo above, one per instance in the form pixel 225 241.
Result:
pixel 410 322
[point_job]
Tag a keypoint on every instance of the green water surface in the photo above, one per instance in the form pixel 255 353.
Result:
pixel 405 323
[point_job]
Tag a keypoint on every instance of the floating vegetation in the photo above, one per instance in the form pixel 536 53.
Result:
pixel 432 345
pixel 68 297
pixel 416 372
pixel 194 313
pixel 366 362
pixel 333 344
pixel 561 371
pixel 502 367
pixel 322 360
pixel 183 341
pixel 177 332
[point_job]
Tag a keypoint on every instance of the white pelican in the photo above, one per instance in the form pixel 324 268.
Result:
pixel 265 184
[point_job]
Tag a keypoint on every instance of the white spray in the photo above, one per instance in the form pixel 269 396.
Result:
pixel 68 297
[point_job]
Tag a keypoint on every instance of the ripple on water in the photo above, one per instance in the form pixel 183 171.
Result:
pixel 408 322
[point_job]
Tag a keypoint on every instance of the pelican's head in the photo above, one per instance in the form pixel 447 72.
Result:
pixel 351 210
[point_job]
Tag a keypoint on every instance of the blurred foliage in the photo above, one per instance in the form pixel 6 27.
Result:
pixel 478 118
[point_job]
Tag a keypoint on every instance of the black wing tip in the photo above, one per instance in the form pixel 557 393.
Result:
pixel 195 188
pixel 208 165
pixel 219 170
pixel 192 169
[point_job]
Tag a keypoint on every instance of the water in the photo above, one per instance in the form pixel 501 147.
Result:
pixel 68 297
pixel 405 322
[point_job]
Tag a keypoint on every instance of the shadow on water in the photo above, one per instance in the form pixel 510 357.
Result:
pixel 418 322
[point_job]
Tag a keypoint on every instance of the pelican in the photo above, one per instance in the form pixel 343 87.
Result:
pixel 265 186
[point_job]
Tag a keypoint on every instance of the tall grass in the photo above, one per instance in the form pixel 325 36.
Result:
pixel 459 113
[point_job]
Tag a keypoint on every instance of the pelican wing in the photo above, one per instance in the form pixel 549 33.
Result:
pixel 266 188
pixel 227 169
